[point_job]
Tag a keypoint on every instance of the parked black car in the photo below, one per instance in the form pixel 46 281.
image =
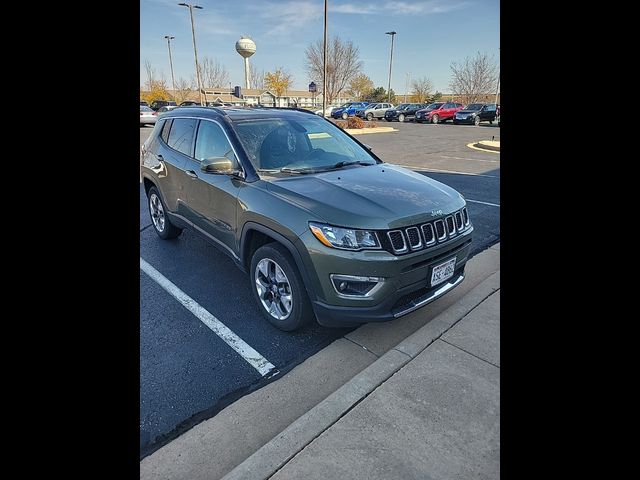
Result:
pixel 403 112
pixel 188 103
pixel 476 113
pixel 158 104
pixel 143 103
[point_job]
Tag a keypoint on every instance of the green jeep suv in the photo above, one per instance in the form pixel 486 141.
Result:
pixel 324 228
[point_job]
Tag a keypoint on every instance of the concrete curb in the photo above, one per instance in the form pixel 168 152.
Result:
pixel 365 131
pixel 486 145
pixel 282 448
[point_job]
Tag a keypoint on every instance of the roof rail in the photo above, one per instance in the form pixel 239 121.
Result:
pixel 294 109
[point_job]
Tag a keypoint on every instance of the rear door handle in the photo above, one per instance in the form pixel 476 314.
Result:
pixel 192 174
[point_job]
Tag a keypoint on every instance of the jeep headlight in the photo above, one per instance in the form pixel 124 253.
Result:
pixel 346 238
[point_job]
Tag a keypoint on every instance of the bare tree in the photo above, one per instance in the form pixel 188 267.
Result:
pixel 184 88
pixel 257 79
pixel 212 73
pixel 151 74
pixel 474 78
pixel 343 64
pixel 421 89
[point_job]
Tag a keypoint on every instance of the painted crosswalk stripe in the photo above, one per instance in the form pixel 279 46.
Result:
pixel 253 358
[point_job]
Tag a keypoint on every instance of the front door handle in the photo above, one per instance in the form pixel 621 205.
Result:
pixel 192 174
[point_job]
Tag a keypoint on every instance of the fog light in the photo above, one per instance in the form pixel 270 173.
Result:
pixel 355 286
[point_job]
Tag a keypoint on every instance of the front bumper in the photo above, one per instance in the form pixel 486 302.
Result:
pixel 406 286
pixel 469 120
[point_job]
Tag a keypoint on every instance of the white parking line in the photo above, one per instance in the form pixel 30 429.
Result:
pixel 427 169
pixel 253 358
pixel 483 203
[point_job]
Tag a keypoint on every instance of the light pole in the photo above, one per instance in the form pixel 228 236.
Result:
pixel 393 34
pixel 324 64
pixel 173 79
pixel 195 50
pixel 498 86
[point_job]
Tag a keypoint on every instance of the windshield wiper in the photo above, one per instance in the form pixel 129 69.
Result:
pixel 297 170
pixel 357 162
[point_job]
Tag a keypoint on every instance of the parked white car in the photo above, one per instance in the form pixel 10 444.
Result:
pixel 327 112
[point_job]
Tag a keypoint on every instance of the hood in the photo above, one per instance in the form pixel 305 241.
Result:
pixel 377 197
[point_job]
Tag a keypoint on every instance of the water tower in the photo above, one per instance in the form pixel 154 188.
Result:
pixel 246 47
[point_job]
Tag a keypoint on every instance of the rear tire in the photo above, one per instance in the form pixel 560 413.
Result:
pixel 159 218
pixel 278 288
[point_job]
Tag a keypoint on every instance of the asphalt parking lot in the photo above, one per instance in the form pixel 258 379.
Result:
pixel 187 372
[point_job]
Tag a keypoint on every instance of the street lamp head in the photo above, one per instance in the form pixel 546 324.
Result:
pixel 169 37
pixel 183 4
pixel 197 6
pixel 390 33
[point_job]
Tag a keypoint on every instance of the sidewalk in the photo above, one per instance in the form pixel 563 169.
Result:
pixel 428 408
pixel 416 398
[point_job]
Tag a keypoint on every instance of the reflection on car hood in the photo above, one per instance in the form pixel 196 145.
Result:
pixel 377 197
pixel 468 111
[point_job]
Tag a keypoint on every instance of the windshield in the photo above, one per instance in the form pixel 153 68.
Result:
pixel 474 106
pixel 402 106
pixel 433 106
pixel 300 145
pixel 346 105
pixel 145 109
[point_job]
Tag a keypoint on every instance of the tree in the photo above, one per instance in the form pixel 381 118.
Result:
pixel 435 97
pixel 256 77
pixel 278 82
pixel 155 88
pixel 213 74
pixel 421 89
pixel 343 64
pixel 379 94
pixel 360 87
pixel 183 89
pixel 474 78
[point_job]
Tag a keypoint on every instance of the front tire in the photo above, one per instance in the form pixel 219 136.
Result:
pixel 369 116
pixel 476 121
pixel 401 117
pixel 278 288
pixel 345 116
pixel 159 218
pixel 435 119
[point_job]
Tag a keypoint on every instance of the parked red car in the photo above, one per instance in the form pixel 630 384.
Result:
pixel 438 112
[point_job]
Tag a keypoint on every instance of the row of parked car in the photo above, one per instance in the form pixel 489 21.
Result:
pixel 437 112
pixel 149 113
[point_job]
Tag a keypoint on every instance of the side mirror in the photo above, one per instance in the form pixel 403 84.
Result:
pixel 220 165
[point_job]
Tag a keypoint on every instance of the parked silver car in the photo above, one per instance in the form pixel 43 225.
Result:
pixel 375 110
pixel 147 116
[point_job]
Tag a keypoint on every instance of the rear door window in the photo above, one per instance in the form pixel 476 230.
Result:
pixel 181 135
pixel 165 130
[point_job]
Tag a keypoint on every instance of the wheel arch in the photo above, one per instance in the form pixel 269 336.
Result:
pixel 255 235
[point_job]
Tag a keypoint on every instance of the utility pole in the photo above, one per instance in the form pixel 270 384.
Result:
pixel 173 79
pixel 393 34
pixel 195 51
pixel 324 64
pixel 406 86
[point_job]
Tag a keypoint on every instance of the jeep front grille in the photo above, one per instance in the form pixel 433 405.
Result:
pixel 418 237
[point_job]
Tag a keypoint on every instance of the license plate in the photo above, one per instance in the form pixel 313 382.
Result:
pixel 442 272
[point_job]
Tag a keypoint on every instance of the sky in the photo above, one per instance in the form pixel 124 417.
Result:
pixel 430 35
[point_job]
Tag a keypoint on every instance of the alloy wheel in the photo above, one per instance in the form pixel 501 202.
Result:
pixel 157 212
pixel 273 289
